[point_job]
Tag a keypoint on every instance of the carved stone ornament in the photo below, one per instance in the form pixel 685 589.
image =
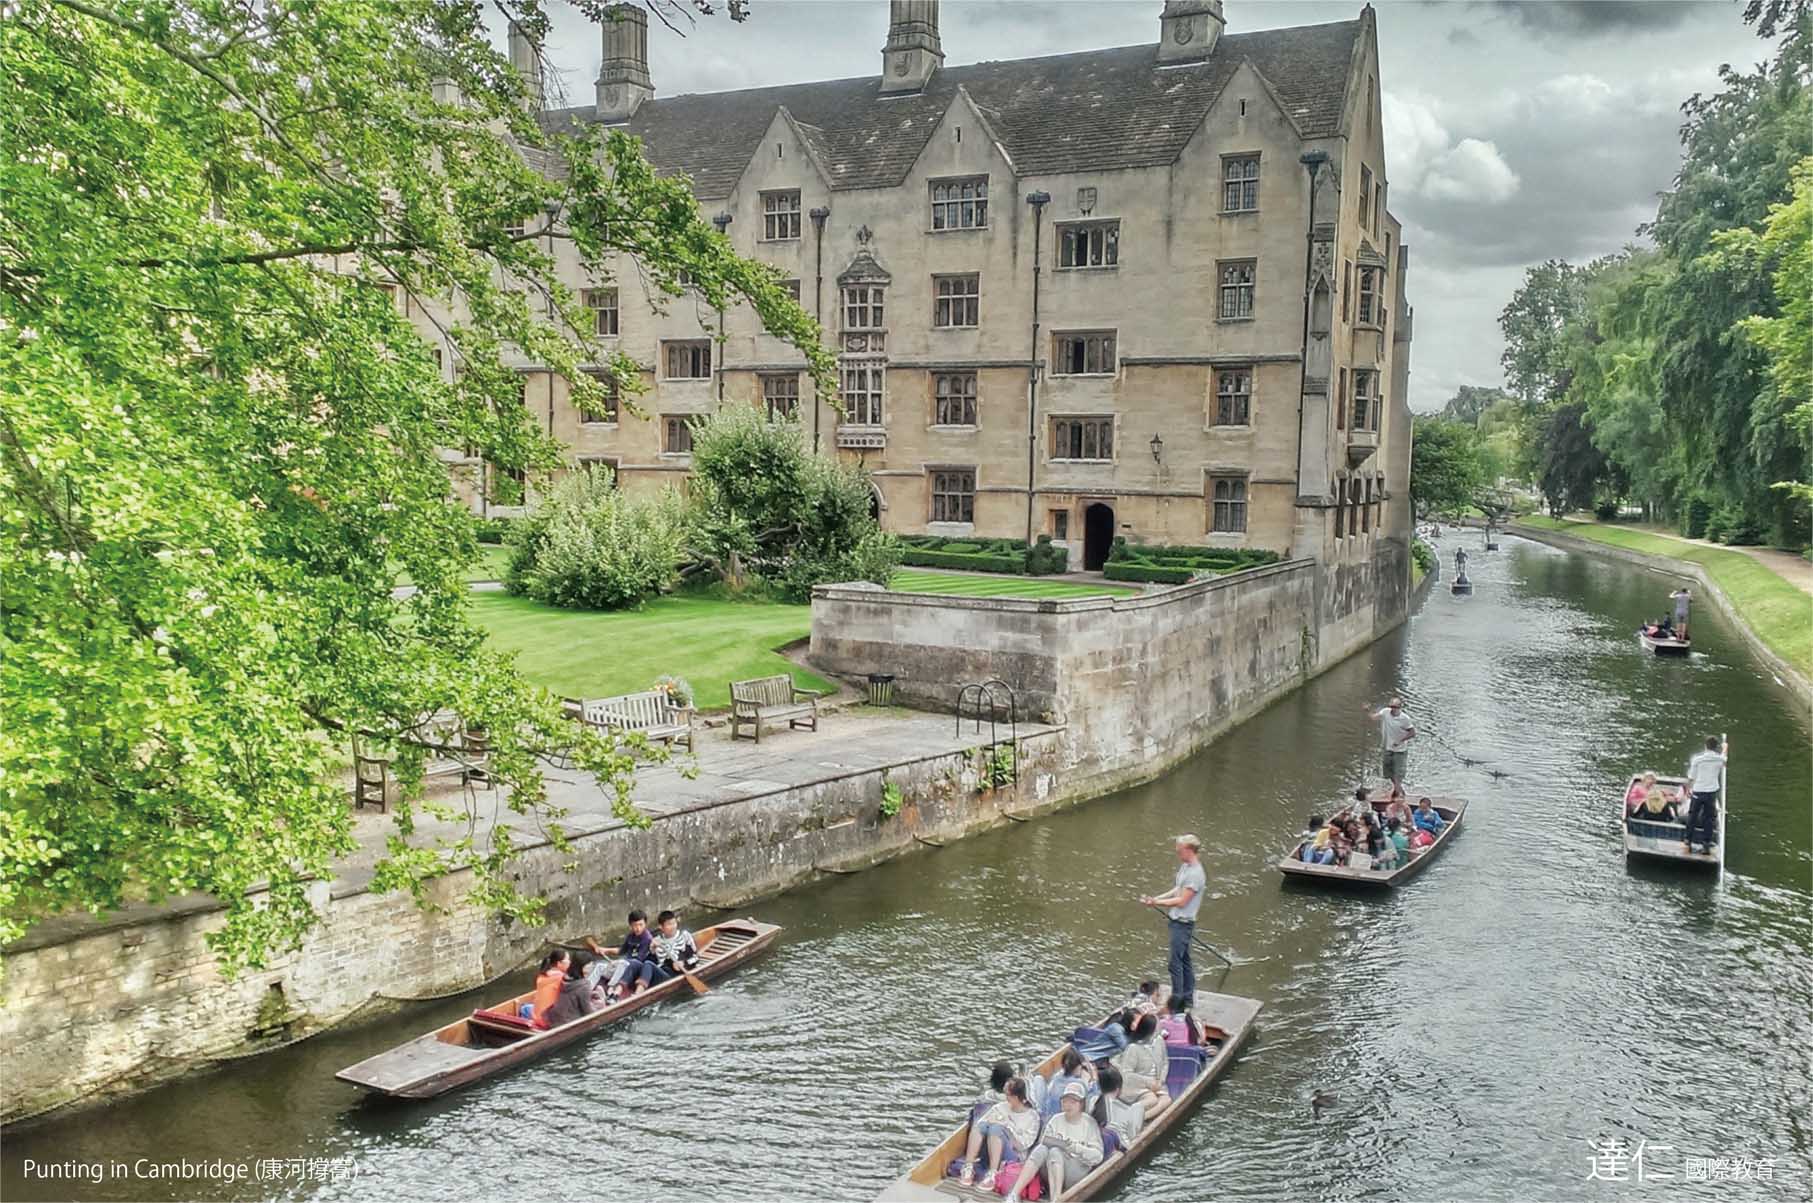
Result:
pixel 901 64
pixel 612 94
pixel 1085 200
pixel 1184 32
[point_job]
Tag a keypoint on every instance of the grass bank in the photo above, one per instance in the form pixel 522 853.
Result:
pixel 601 653
pixel 1779 613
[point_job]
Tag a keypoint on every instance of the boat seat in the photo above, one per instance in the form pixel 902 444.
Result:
pixel 510 1027
pixel 1186 1061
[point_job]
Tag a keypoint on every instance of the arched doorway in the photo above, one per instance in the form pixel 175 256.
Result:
pixel 1098 535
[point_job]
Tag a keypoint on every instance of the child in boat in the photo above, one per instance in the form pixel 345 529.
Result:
pixel 1400 840
pixel 671 953
pixel 1307 841
pixel 548 981
pixel 580 993
pixel 1008 1129
pixel 1384 853
pixel 1068 1149
pixel 1427 819
pixel 630 951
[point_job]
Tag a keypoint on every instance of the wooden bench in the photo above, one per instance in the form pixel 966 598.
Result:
pixel 652 713
pixel 370 781
pixel 769 700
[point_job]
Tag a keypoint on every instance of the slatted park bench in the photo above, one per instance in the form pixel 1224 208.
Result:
pixel 770 700
pixel 652 713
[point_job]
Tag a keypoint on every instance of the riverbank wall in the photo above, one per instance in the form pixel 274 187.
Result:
pixel 1111 692
pixel 1136 684
pixel 1791 678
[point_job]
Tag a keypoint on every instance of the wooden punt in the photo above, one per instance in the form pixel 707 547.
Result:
pixel 1460 587
pixel 472 1048
pixel 1450 809
pixel 1236 1016
pixel 1648 839
pixel 1662 646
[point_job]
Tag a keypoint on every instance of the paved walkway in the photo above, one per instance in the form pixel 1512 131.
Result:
pixel 852 741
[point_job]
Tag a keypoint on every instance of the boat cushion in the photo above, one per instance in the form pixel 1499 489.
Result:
pixel 1111 1143
pixel 499 1019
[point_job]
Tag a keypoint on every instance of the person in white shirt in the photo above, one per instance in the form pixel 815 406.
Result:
pixel 1682 600
pixel 1705 778
pixel 1069 1147
pixel 1396 731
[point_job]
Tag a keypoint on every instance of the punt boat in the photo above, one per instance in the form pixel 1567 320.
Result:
pixel 928 1182
pixel 1460 586
pixel 1648 839
pixel 1450 809
pixel 1663 645
pixel 492 1039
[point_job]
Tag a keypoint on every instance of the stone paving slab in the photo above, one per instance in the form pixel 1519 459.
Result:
pixel 854 740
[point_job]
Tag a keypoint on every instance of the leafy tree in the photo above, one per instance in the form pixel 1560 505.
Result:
pixel 1571 469
pixel 763 502
pixel 1470 402
pixel 1535 326
pixel 1448 472
pixel 219 433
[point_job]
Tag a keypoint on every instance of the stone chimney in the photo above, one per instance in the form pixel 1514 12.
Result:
pixel 623 82
pixel 1188 30
pixel 913 51
pixel 525 57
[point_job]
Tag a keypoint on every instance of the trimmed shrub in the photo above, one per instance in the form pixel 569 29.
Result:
pixel 591 547
pixel 1046 557
pixel 1152 574
pixel 494 530
pixel 1695 517
pixel 919 557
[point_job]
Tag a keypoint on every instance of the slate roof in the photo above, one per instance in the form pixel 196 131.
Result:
pixel 1089 111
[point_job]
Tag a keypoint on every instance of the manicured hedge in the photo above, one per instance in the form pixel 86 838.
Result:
pixel 493 530
pixel 972 561
pixel 1146 572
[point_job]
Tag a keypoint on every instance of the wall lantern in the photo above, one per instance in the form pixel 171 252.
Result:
pixel 1158 446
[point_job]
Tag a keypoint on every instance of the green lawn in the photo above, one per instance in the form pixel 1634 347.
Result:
pixel 1780 613
pixel 913 580
pixel 593 654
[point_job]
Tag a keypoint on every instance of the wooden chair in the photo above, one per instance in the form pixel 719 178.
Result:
pixel 371 777
pixel 769 700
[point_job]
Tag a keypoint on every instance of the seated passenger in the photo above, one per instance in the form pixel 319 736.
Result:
pixel 1657 806
pixel 580 993
pixel 1306 843
pixel 1008 1129
pixel 1113 1036
pixel 1144 1061
pixel 998 1078
pixel 1383 851
pixel 1324 850
pixel 1072 1067
pixel 1176 1026
pixel 1394 831
pixel 1427 819
pixel 548 980
pixel 672 952
pixel 630 952
pixel 1639 789
pixel 1068 1149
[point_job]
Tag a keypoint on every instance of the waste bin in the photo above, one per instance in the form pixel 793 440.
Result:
pixel 881 689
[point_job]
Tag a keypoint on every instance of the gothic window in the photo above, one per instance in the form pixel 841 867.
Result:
pixel 1365 398
pixel 1082 438
pixel 1233 396
pixel 780 216
pixel 1240 183
pixel 676 434
pixel 612 397
pixel 1370 313
pixel 603 304
pixel 1089 244
pixel 953 495
pixel 958 301
pixel 954 399
pixel 780 393
pixel 1227 507
pixel 687 360
pixel 1237 289
pixel 1083 354
pixel 860 388
pixel 960 204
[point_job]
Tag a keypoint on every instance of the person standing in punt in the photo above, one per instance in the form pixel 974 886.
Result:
pixel 1683 601
pixel 1395 731
pixel 1705 778
pixel 1181 906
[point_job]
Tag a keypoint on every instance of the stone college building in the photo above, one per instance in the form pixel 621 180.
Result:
pixel 1151 291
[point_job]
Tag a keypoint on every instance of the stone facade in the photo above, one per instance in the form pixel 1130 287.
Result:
pixel 1150 231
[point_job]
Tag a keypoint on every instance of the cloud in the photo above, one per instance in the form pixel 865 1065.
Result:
pixel 1471 170
pixel 1596 18
pixel 1426 161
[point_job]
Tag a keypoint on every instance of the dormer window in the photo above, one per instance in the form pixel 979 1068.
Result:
pixel 960 204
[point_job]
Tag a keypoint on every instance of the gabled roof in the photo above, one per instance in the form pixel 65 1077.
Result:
pixel 1090 111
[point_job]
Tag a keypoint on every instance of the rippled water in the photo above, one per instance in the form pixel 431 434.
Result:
pixel 1525 997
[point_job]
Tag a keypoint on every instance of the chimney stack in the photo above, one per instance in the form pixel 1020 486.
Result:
pixel 913 51
pixel 525 57
pixel 623 82
pixel 1188 30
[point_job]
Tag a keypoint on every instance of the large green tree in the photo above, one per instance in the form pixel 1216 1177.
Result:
pixel 1448 469
pixel 219 433
pixel 1535 325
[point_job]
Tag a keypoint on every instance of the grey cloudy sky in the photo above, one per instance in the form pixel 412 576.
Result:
pixel 1515 132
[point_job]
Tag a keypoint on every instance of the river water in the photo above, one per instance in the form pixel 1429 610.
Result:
pixel 1491 1029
